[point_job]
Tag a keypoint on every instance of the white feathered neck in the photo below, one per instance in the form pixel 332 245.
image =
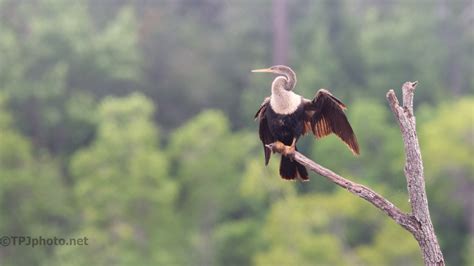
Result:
pixel 283 101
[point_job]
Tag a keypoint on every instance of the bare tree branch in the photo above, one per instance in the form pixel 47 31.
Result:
pixel 425 236
pixel 418 223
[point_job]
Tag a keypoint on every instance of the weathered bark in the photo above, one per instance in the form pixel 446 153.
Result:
pixel 405 117
pixel 418 222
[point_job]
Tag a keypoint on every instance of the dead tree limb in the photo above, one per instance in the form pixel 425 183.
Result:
pixel 405 117
pixel 418 222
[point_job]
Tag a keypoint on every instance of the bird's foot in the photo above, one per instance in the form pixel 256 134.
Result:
pixel 276 146
pixel 285 150
pixel 289 151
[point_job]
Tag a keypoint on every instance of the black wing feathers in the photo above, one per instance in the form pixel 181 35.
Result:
pixel 326 115
pixel 263 131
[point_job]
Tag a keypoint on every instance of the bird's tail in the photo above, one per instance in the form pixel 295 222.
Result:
pixel 291 170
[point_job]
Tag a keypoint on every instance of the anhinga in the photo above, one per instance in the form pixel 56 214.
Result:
pixel 285 116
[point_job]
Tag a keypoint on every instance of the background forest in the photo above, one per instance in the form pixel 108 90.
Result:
pixel 131 123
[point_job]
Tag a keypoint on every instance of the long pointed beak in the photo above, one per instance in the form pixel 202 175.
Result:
pixel 263 70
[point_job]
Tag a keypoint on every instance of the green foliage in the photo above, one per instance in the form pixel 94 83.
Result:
pixel 199 57
pixel 206 159
pixel 322 228
pixel 237 241
pixel 447 143
pixel 46 44
pixel 258 183
pixel 329 52
pixel 391 246
pixel 33 198
pixel 122 184
pixel 305 229
pixel 451 123
pixel 205 154
pixel 79 158
pixel 125 127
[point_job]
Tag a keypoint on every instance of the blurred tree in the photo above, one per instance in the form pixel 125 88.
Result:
pixel 123 191
pixel 55 62
pixel 333 229
pixel 199 54
pixel 453 27
pixel 390 247
pixel 329 51
pixel 206 160
pixel 429 48
pixel 239 237
pixel 258 182
pixel 447 142
pixel 34 201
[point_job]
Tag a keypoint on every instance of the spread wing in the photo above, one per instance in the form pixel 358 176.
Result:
pixel 264 132
pixel 325 115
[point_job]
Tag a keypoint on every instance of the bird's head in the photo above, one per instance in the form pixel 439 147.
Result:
pixel 285 71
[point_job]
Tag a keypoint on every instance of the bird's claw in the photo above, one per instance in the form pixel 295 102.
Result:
pixel 270 147
pixel 278 146
pixel 289 151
